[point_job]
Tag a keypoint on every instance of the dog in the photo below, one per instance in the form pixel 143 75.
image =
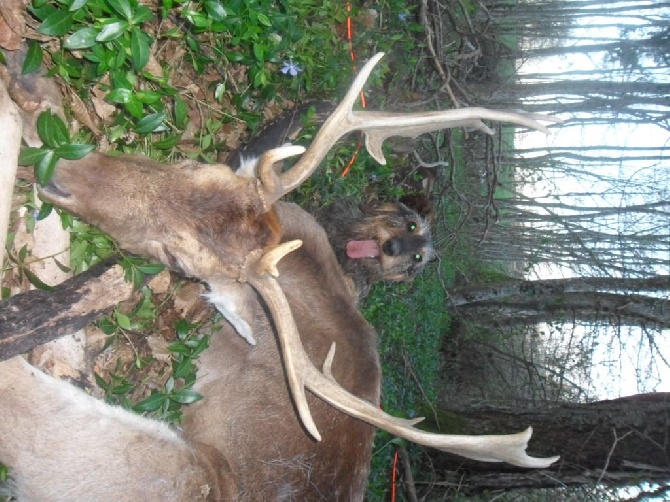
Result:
pixel 384 242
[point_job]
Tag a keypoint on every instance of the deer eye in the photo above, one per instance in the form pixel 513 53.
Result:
pixel 418 258
pixel 411 226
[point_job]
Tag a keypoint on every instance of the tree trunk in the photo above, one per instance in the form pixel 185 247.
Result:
pixel 35 317
pixel 620 442
pixel 493 292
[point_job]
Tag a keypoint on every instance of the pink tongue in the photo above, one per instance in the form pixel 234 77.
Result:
pixel 362 249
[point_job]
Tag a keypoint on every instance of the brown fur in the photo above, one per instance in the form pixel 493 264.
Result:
pixel 198 219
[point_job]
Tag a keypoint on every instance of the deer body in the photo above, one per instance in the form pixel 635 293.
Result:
pixel 241 442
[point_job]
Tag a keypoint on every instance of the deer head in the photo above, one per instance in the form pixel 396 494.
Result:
pixel 212 224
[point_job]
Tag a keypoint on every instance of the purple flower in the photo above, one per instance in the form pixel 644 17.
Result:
pixel 290 68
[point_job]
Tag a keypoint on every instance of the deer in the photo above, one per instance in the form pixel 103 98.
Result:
pixel 272 425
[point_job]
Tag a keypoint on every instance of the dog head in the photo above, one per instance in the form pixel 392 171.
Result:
pixel 393 241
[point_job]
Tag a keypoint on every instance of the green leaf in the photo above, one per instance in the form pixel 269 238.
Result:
pixel 151 403
pixel 35 281
pixel 122 7
pixel 182 327
pixel 52 129
pixel 31 155
pixel 259 52
pixel 150 123
pixel 77 4
pixel 185 396
pixel 112 30
pixel 180 112
pixel 45 210
pixel 148 97
pixel 184 367
pixel 135 107
pixel 263 19
pixel 56 24
pixel 44 170
pixel 73 151
pixel 142 15
pixel 81 39
pixel 215 10
pixel 139 48
pixel 120 95
pixel 151 268
pixel 33 59
pixel 167 143
pixel 123 320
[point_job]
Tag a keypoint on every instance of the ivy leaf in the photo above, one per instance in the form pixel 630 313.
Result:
pixel 81 39
pixel 56 24
pixel 52 129
pixel 139 48
pixel 37 282
pixel 263 19
pixel 112 30
pixel 167 143
pixel 215 10
pixel 44 170
pixel 135 108
pixel 33 59
pixel 45 210
pixel 150 123
pixel 151 403
pixel 185 396
pixel 142 15
pixel 123 321
pixel 120 95
pixel 151 268
pixel 31 155
pixel 180 112
pixel 73 151
pixel 77 4
pixel 122 7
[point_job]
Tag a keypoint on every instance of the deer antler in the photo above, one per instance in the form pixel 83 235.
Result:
pixel 302 374
pixel 378 126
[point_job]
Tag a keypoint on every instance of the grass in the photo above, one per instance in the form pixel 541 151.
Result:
pixel 411 321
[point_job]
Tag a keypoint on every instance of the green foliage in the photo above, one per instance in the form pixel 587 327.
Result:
pixel 411 320
pixel 164 403
pixel 57 144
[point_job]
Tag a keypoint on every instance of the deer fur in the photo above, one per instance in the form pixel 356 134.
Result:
pixel 242 441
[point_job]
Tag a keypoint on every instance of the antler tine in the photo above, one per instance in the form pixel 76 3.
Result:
pixel 291 347
pixel 302 373
pixel 378 126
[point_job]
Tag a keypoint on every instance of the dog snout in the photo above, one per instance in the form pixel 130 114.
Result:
pixel 392 247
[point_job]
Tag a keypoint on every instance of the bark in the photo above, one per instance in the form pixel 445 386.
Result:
pixel 618 442
pixel 554 287
pixel 35 317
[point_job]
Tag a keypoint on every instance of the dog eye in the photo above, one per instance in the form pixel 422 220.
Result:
pixel 418 258
pixel 411 226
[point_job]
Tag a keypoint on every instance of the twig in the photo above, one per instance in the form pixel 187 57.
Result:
pixel 423 17
pixel 407 475
pixel 611 452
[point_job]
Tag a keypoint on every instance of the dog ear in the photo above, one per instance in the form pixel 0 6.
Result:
pixel 421 199
pixel 422 203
